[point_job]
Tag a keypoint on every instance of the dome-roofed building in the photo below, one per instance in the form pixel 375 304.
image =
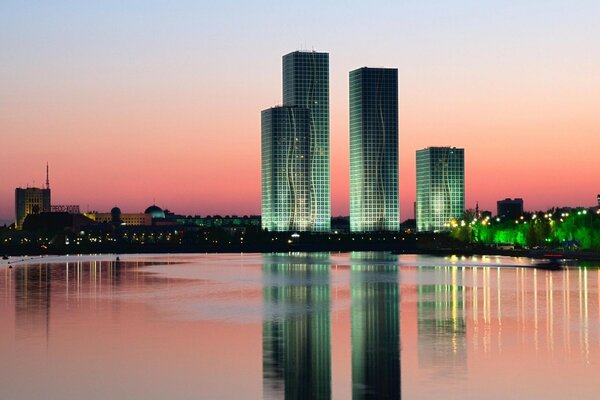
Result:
pixel 155 212
pixel 115 215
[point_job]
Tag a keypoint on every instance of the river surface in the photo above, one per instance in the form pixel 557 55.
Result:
pixel 314 326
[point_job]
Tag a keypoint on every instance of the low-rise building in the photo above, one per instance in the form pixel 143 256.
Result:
pixel 135 219
pixel 510 208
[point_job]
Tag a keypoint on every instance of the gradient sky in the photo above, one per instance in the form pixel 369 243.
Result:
pixel 134 100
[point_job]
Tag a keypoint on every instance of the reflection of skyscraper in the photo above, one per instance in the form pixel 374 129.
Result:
pixel 296 328
pixel 295 148
pixel 374 150
pixel 375 331
pixel 441 323
pixel 32 300
pixel 440 187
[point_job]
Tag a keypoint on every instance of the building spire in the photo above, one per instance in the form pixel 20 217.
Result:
pixel 47 177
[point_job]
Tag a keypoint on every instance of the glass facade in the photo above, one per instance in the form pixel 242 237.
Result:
pixel 440 187
pixel 286 186
pixel 374 150
pixel 306 84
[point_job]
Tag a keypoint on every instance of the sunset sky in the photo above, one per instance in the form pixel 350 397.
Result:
pixel 134 100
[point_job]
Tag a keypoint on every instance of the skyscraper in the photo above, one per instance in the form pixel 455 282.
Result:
pixel 374 150
pixel 306 84
pixel 286 189
pixel 440 187
pixel 295 148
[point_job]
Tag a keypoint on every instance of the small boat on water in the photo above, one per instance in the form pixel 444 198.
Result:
pixel 552 262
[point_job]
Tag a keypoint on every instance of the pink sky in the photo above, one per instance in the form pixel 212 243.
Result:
pixel 127 108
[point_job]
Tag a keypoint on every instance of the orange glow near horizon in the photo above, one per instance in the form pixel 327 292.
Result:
pixel 206 163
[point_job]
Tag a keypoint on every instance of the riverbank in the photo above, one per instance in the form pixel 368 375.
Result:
pixel 264 242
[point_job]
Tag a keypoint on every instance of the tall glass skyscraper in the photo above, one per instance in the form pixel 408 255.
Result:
pixel 286 186
pixel 306 84
pixel 295 148
pixel 374 150
pixel 440 187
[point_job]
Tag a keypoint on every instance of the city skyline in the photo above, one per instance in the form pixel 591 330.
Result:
pixel 124 116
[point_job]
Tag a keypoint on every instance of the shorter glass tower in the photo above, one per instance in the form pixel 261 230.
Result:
pixel 286 197
pixel 440 187
pixel 374 150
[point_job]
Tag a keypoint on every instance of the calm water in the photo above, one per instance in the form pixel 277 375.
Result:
pixel 361 325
